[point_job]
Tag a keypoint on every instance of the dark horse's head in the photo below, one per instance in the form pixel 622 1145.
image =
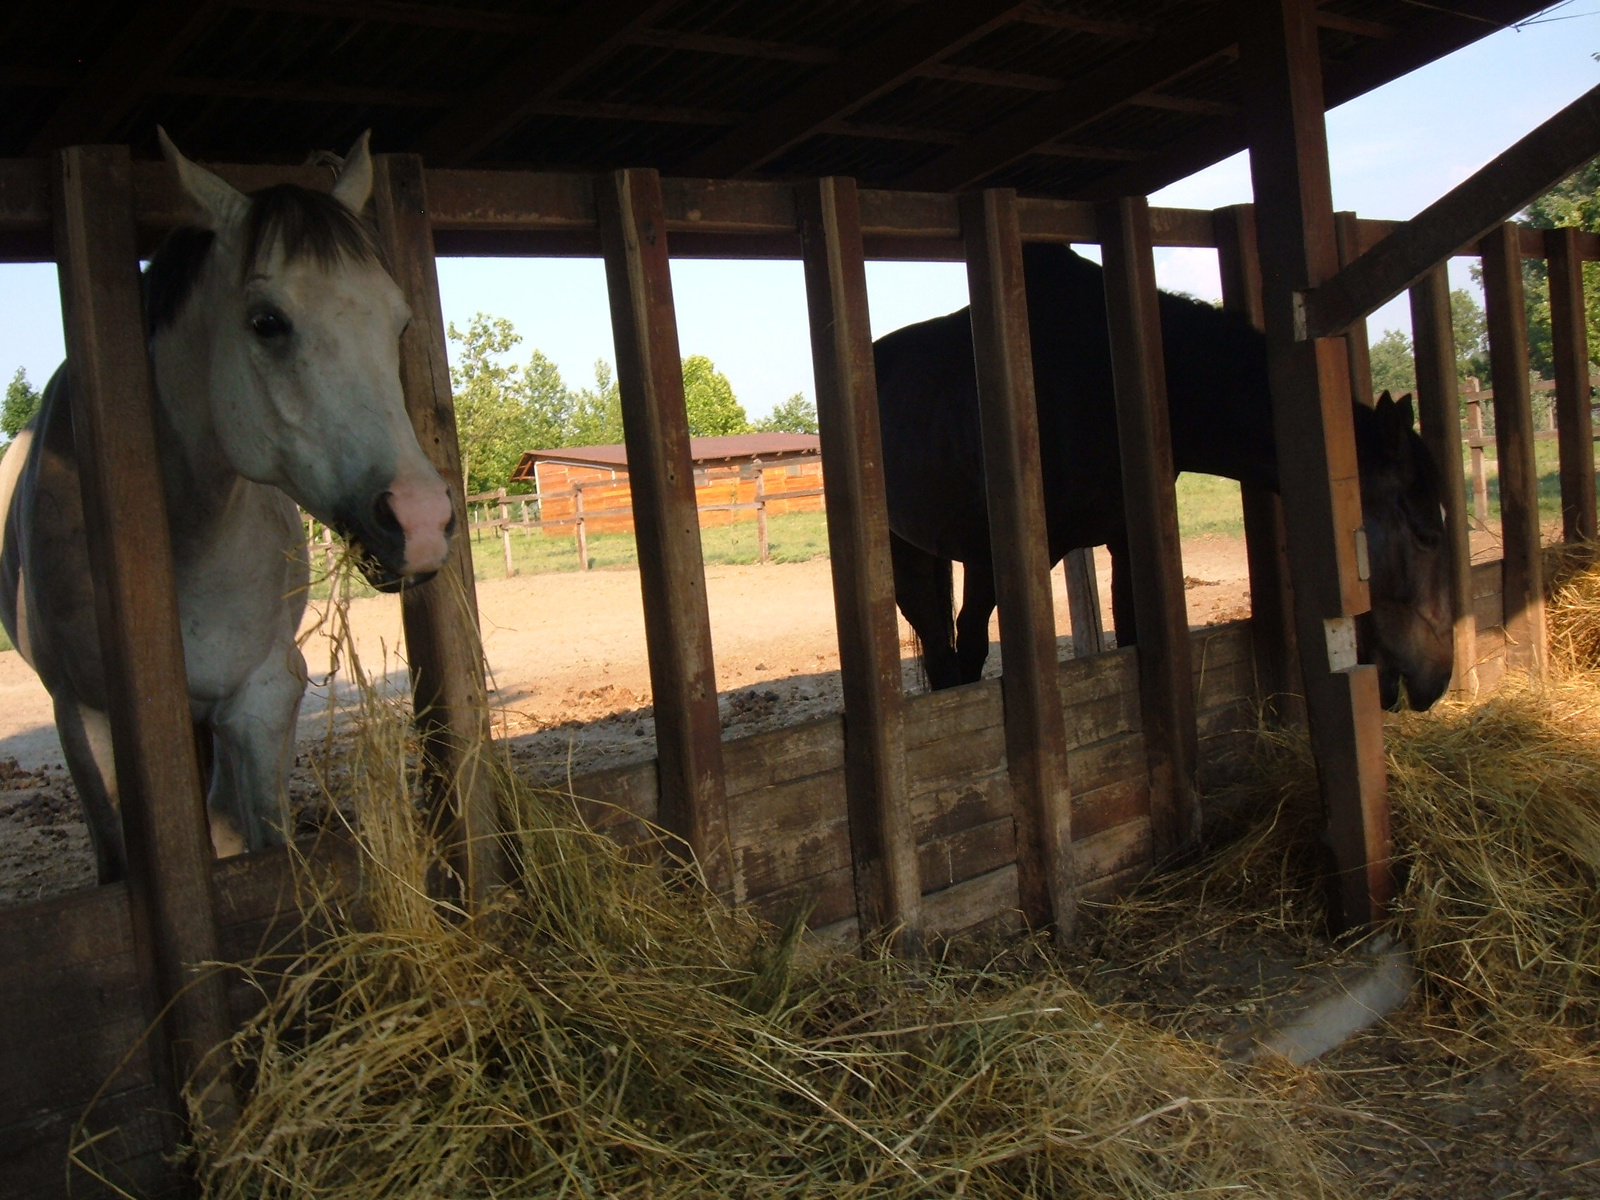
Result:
pixel 1408 634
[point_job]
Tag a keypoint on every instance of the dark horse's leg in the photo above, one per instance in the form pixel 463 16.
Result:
pixel 972 626
pixel 1122 615
pixel 922 589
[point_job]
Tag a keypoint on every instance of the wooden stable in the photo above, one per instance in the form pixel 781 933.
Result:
pixel 996 804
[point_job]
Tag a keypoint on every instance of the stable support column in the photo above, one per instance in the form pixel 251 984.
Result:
pixel 1522 557
pixel 683 682
pixel 1150 507
pixel 440 617
pixel 883 846
pixel 1316 449
pixel 1439 412
pixel 158 783
pixel 1347 233
pixel 1036 742
pixel 1272 636
pixel 1569 336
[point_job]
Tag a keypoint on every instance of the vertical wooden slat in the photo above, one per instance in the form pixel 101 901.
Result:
pixel 683 679
pixel 1083 602
pixel 1440 413
pixel 440 617
pixel 1316 447
pixel 1347 235
pixel 1161 613
pixel 136 607
pixel 1569 328
pixel 883 846
pixel 1036 746
pixel 1277 650
pixel 1522 570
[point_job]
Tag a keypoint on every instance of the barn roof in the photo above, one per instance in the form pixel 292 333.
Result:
pixel 1062 98
pixel 703 451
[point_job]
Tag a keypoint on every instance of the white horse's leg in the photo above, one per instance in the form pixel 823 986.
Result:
pixel 254 731
pixel 86 742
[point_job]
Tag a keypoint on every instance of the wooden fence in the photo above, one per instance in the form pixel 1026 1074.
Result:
pixel 501 524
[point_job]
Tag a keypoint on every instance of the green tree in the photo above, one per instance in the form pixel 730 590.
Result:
pixel 708 395
pixel 1471 334
pixel 21 402
pixel 794 415
pixel 597 412
pixel 1393 367
pixel 503 409
pixel 1575 203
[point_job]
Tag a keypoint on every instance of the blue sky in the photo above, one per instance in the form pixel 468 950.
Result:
pixel 1392 152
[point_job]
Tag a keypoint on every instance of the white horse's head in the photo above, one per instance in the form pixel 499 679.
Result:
pixel 280 300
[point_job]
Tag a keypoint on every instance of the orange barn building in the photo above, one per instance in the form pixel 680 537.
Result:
pixel 734 470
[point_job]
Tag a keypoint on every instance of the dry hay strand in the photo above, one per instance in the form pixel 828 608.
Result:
pixel 1496 839
pixel 609 1029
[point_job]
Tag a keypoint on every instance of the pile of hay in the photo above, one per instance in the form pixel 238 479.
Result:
pixel 605 1032
pixel 1496 837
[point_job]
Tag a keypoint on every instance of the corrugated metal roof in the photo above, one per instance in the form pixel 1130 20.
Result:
pixel 704 451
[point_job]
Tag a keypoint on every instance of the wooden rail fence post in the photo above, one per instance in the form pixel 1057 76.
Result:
pixel 761 514
pixel 1480 479
pixel 1569 328
pixel 1083 602
pixel 1439 402
pixel 1036 745
pixel 136 607
pixel 1272 632
pixel 504 510
pixel 1161 614
pixel 578 526
pixel 1316 447
pixel 1522 562
pixel 883 847
pixel 683 680
pixel 440 617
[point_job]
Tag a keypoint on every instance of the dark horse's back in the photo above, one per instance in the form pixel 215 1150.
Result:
pixel 928 406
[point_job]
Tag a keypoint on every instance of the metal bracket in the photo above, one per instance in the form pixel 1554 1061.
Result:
pixel 1340 633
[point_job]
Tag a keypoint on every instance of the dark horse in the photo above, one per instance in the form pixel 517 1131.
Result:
pixel 1221 425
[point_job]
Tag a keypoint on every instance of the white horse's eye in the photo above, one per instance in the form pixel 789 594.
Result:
pixel 270 324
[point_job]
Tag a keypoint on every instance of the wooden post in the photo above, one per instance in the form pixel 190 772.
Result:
pixel 1272 635
pixel 1569 329
pixel 1440 415
pixel 1316 447
pixel 1161 613
pixel 1522 566
pixel 578 525
pixel 505 530
pixel 1480 480
pixel 761 513
pixel 1036 747
pixel 1347 234
pixel 883 847
pixel 1083 603
pixel 440 617
pixel 683 680
pixel 164 822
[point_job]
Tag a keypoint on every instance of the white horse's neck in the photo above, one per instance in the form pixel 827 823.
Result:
pixel 197 474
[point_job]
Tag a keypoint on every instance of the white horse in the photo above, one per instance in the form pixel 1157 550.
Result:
pixel 274 338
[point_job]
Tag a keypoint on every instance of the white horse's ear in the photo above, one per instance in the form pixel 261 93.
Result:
pixel 354 185
pixel 223 204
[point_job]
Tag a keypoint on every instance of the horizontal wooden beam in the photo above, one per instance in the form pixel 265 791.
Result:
pixel 1458 218
pixel 913 40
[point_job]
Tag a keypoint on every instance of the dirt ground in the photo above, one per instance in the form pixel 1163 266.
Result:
pixel 570 680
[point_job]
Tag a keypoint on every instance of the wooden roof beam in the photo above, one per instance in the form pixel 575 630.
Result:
pixel 403 12
pixel 566 50
pixel 713 43
pixel 156 33
pixel 1376 64
pixel 1051 116
pixel 921 35
pixel 1458 218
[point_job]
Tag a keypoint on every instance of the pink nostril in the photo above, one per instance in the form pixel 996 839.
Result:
pixel 421 509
